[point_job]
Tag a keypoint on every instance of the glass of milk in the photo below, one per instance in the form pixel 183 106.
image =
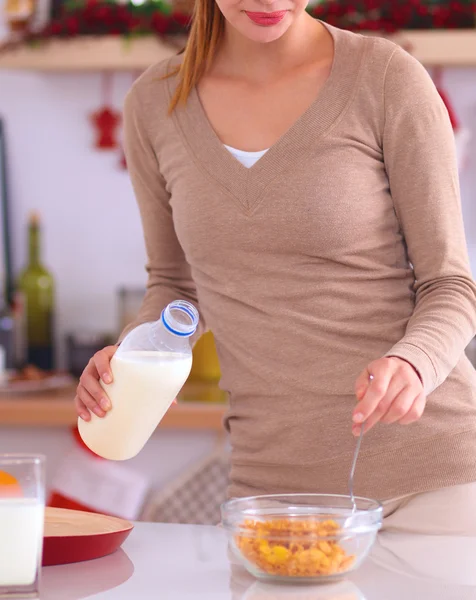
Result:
pixel 22 510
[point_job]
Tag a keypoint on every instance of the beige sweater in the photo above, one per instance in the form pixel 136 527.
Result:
pixel 343 244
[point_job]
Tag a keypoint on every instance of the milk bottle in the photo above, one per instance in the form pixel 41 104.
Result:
pixel 149 369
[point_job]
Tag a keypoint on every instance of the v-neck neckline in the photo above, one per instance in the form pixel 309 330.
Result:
pixel 247 185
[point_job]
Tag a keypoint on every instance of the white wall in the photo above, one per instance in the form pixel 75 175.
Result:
pixel 92 234
pixel 92 239
pixel 461 86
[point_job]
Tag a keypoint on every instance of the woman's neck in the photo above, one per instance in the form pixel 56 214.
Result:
pixel 241 57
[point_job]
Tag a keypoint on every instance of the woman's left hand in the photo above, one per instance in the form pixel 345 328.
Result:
pixel 389 390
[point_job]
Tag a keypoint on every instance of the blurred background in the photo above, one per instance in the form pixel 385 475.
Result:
pixel 72 254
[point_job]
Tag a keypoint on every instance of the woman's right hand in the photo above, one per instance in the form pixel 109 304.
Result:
pixel 89 394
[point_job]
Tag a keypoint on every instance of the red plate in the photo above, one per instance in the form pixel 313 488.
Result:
pixel 73 536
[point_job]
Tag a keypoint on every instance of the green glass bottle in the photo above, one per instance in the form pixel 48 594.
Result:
pixel 36 285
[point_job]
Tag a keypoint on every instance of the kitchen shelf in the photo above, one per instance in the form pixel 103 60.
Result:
pixel 56 409
pixel 91 53
pixel 114 53
pixel 446 48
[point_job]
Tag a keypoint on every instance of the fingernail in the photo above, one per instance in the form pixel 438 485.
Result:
pixel 358 418
pixel 104 404
pixel 98 411
pixel 107 378
pixel 85 416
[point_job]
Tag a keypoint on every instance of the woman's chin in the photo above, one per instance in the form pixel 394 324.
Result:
pixel 263 34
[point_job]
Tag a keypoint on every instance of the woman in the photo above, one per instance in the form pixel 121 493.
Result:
pixel 298 183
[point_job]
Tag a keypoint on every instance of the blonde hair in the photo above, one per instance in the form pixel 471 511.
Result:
pixel 205 35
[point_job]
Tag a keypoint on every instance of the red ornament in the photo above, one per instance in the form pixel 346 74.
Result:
pixel 106 120
pixel 122 161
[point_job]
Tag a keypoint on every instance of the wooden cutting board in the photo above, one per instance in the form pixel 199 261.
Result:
pixel 73 536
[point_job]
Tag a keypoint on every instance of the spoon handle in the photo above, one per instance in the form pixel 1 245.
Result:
pixel 354 462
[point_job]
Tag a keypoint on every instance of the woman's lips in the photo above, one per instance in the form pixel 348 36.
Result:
pixel 266 19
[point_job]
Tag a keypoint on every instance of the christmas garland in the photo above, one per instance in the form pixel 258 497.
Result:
pixel 392 15
pixel 109 17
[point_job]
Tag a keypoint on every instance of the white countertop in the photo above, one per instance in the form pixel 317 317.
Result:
pixel 182 562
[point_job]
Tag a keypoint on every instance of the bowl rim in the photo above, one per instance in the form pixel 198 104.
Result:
pixel 231 508
pixel 377 505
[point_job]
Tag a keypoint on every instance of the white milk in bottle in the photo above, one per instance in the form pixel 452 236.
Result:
pixel 149 369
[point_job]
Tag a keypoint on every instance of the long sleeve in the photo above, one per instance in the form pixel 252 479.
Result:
pixel 169 276
pixel 419 154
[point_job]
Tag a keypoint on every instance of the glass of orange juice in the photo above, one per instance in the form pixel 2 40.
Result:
pixel 22 509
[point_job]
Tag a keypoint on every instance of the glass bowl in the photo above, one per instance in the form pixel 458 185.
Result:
pixel 302 538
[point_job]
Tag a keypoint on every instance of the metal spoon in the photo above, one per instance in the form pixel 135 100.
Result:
pixel 354 464
pixel 352 470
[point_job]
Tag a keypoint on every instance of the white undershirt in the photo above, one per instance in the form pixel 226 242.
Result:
pixel 247 159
